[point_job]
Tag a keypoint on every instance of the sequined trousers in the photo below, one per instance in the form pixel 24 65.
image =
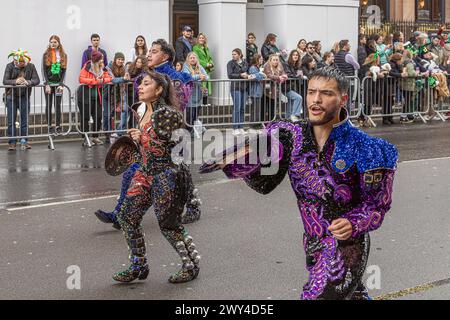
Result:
pixel 167 193
pixel 336 268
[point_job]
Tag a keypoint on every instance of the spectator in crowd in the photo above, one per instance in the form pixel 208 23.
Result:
pixel 345 61
pixel 399 47
pixel 371 46
pixel 436 49
pixel 383 50
pixel 293 69
pixel 193 67
pixel 136 68
pixel 251 48
pixel 21 74
pixel 183 45
pixel 335 48
pixel 362 52
pixel 256 74
pixel 446 49
pixel 140 48
pixel 54 66
pixel 378 89
pixel 317 55
pixel 160 58
pixel 118 94
pixel 92 77
pixel 87 54
pixel 179 66
pixel 397 72
pixel 270 47
pixel 274 71
pixel 310 51
pixel 408 87
pixel 328 60
pixel 301 47
pixel 205 59
pixel 398 36
pixel 309 65
pixel 237 69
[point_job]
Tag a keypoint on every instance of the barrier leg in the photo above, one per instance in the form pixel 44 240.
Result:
pixel 51 145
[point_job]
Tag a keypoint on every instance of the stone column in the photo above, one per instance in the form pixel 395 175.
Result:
pixel 325 20
pixel 225 23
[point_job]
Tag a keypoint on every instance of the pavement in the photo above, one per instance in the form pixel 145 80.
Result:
pixel 250 243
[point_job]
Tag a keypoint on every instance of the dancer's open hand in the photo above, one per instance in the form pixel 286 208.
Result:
pixel 135 134
pixel 341 229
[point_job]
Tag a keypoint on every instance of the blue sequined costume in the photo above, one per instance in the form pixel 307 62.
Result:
pixel 193 204
pixel 161 183
pixel 351 178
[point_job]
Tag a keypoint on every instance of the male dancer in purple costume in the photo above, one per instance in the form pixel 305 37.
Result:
pixel 342 179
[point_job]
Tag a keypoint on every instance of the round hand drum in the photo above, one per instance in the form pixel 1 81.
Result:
pixel 122 154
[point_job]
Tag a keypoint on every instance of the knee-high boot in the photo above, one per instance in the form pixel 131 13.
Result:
pixel 186 249
pixel 193 203
pixel 136 246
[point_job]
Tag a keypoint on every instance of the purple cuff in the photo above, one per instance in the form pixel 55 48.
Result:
pixel 241 168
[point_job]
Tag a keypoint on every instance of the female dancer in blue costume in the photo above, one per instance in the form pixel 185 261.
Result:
pixel 158 181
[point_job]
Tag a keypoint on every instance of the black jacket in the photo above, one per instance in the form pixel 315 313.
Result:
pixel 267 50
pixel 12 73
pixel 50 78
pixel 234 71
pixel 396 70
pixel 250 52
pixel 181 50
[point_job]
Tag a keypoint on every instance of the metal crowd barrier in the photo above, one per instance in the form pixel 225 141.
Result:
pixel 232 103
pixel 103 109
pixel 29 112
pixel 410 97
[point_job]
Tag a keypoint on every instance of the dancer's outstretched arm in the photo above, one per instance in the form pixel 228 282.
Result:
pixel 262 170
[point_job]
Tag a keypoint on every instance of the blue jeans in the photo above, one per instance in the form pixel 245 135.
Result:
pixel 239 100
pixel 106 108
pixel 12 104
pixel 124 113
pixel 294 104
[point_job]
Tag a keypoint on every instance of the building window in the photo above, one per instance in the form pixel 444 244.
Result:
pixel 366 4
pixel 430 10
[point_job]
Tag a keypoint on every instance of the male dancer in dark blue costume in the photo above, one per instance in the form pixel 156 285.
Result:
pixel 160 58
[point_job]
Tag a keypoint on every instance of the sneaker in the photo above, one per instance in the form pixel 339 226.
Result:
pixel 51 130
pixel 58 130
pixel 25 146
pixel 295 118
pixel 236 132
pixel 12 147
pixel 97 141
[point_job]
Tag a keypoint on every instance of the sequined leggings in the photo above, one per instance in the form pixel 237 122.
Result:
pixel 167 193
pixel 129 174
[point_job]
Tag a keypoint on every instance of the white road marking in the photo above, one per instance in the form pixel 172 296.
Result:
pixel 78 200
pixel 424 160
pixel 115 196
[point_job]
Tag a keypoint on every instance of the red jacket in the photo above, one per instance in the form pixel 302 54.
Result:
pixel 88 78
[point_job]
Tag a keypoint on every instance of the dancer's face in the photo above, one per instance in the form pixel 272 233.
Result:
pixel 324 101
pixel 149 90
pixel 156 56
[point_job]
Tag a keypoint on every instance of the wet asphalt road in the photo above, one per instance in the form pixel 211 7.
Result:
pixel 47 224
